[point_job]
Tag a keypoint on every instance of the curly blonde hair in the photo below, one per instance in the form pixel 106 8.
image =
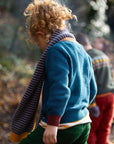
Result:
pixel 46 15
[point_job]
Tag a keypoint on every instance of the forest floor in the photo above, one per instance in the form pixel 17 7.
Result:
pixel 11 92
pixel 10 95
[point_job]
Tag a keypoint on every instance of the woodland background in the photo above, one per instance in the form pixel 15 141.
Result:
pixel 19 58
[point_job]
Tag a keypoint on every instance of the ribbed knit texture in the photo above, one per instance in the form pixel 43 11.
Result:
pixel 69 85
pixel 23 118
pixel 102 71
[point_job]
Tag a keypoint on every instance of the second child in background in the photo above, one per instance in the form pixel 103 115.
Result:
pixel 102 109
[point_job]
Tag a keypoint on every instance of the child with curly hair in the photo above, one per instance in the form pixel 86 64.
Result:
pixel 66 76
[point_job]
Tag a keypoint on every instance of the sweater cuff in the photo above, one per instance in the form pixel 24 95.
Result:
pixel 53 120
pixel 92 105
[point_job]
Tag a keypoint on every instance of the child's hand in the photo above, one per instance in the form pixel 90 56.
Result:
pixel 94 111
pixel 50 134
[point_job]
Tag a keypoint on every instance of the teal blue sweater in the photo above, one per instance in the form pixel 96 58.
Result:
pixel 69 85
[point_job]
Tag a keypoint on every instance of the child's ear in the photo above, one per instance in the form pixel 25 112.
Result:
pixel 41 33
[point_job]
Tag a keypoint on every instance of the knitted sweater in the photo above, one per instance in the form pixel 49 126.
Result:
pixel 24 118
pixel 102 70
pixel 69 85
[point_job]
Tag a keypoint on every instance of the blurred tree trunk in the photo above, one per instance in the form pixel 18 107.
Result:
pixel 5 5
pixel 110 15
pixel 18 7
pixel 79 8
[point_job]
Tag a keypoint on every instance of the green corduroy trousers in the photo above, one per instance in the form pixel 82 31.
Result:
pixel 74 135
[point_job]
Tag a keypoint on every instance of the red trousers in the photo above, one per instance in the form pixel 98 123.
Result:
pixel 101 126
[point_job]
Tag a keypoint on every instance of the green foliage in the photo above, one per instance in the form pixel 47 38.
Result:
pixel 112 1
pixel 14 49
pixel 6 36
pixel 7 64
pixel 5 4
pixel 13 39
pixel 91 17
pixel 24 49
pixel 13 64
pixel 2 3
pixel 92 13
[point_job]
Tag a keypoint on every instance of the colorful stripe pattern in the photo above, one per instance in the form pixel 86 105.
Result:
pixel 100 61
pixel 86 119
pixel 23 119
